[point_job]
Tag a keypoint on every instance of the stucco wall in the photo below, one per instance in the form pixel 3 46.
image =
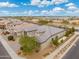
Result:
pixel 45 44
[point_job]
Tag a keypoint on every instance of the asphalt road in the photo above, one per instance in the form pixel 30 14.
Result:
pixel 3 53
pixel 73 53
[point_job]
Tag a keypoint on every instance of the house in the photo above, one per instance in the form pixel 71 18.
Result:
pixel 43 33
pixel 49 33
pixel 3 24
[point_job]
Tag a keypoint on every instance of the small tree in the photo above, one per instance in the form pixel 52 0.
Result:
pixel 11 38
pixel 55 41
pixel 43 22
pixel 69 31
pixel 61 41
pixel 50 21
pixel 65 22
pixel 72 29
pixel 28 44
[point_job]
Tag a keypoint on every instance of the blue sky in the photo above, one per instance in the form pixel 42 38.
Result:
pixel 39 7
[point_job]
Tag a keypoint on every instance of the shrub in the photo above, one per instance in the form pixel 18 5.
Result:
pixel 29 44
pixel 69 31
pixel 61 41
pixel 43 22
pixel 11 38
pixel 55 41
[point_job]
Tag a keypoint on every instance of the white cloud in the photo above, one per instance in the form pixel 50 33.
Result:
pixel 77 11
pixel 52 12
pixel 71 6
pixel 58 9
pixel 73 13
pixel 30 12
pixel 11 13
pixel 4 12
pixel 59 1
pixel 7 4
pixel 35 2
pixel 24 4
pixel 44 12
pixel 46 2
pixel 25 12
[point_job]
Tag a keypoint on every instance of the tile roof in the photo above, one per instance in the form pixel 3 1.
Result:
pixel 48 31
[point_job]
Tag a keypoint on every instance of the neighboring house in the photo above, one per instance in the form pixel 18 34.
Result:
pixel 3 24
pixel 6 26
pixel 10 24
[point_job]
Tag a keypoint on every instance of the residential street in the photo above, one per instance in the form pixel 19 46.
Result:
pixel 73 53
pixel 8 49
pixel 3 53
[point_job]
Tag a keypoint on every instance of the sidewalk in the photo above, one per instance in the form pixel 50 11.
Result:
pixel 9 49
pixel 58 52
pixel 69 47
